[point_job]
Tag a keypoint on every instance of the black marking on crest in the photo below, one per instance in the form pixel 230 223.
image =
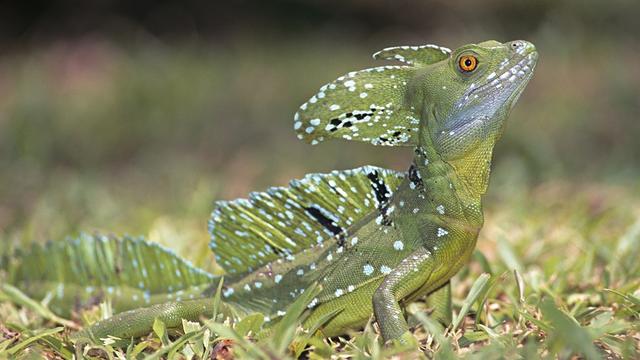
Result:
pixel 380 189
pixel 349 119
pixel 324 220
pixel 384 211
pixel 382 194
pixel 415 178
pixel 277 251
pixel 341 239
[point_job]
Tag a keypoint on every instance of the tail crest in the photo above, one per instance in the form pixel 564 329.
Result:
pixel 88 269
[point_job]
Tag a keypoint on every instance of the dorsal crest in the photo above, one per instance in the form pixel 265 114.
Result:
pixel 283 221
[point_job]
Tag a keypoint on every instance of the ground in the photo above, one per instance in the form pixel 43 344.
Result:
pixel 555 273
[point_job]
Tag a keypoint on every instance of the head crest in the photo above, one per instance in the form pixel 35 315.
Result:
pixel 369 105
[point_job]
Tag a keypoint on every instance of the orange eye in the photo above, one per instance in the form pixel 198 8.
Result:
pixel 468 63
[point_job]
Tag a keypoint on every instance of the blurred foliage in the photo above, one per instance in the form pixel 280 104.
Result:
pixel 133 127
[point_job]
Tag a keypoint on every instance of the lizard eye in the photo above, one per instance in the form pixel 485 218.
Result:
pixel 467 63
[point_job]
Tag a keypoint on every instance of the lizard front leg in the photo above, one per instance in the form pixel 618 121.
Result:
pixel 408 276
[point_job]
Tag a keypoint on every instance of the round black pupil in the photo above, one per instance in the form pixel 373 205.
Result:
pixel 468 62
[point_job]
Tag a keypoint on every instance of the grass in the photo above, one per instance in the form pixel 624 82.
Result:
pixel 555 275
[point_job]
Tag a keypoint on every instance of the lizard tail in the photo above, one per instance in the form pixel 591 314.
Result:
pixel 138 322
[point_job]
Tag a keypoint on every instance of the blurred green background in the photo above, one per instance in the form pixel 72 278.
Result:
pixel 133 117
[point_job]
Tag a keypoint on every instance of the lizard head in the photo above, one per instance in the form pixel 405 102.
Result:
pixel 468 96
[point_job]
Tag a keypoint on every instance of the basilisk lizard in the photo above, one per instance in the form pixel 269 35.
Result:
pixel 373 239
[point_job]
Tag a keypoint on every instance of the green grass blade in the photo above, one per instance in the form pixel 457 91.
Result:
pixel 30 340
pixel 478 287
pixel 509 256
pixel 434 328
pixel 250 324
pixel 284 331
pixel 15 295
pixel 567 332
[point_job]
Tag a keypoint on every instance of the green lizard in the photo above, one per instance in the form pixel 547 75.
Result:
pixel 373 239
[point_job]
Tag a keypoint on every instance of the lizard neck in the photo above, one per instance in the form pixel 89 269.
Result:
pixel 440 186
pixel 470 172
pixel 473 169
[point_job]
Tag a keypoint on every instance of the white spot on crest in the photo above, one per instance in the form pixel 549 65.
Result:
pixel 314 122
pixel 368 269
pixel 442 232
pixel 339 292
pixel 385 269
pixel 334 107
pixel 398 245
